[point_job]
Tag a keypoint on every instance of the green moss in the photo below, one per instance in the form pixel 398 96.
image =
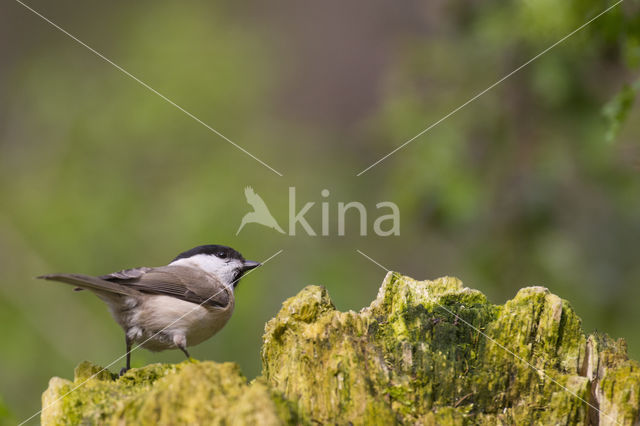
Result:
pixel 186 393
pixel 422 357
pixel 423 352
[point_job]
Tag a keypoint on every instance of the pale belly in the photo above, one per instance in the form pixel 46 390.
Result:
pixel 161 318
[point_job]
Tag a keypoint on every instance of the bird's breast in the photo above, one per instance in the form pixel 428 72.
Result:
pixel 170 316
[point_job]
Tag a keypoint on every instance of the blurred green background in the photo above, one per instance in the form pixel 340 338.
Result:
pixel 535 183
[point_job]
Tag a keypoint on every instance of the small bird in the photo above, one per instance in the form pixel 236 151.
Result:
pixel 174 306
pixel 260 213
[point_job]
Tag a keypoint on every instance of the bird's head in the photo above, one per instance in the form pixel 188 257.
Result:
pixel 223 262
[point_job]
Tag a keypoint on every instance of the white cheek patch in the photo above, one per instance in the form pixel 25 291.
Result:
pixel 231 271
pixel 225 271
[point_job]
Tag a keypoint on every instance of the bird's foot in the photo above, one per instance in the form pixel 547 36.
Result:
pixel 123 371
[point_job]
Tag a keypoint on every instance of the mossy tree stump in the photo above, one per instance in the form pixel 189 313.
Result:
pixel 423 352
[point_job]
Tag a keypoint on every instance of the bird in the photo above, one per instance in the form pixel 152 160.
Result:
pixel 260 213
pixel 170 307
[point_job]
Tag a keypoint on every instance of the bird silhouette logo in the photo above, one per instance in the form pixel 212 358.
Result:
pixel 260 213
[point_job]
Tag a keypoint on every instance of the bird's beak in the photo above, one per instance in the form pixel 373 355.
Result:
pixel 250 264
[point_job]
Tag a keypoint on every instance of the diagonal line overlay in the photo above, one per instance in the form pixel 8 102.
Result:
pixel 490 87
pixel 492 340
pixel 138 346
pixel 146 86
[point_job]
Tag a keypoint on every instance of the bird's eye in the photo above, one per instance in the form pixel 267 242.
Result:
pixel 222 255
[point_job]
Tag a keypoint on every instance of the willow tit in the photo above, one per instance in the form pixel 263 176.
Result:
pixel 174 306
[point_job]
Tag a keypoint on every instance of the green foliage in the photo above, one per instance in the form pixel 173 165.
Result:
pixel 617 109
pixel 6 417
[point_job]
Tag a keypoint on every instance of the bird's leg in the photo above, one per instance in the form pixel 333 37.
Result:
pixel 181 343
pixel 185 352
pixel 125 369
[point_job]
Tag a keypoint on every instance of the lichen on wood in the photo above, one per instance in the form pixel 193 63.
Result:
pixel 191 392
pixel 423 352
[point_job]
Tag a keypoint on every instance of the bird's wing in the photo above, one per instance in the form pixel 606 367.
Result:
pixel 126 274
pixel 91 283
pixel 182 282
pixel 255 200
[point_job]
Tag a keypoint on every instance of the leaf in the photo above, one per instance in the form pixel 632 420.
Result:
pixel 617 109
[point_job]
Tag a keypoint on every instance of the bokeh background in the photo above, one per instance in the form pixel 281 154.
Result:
pixel 535 183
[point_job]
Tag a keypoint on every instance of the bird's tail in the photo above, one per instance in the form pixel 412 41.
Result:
pixel 90 283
